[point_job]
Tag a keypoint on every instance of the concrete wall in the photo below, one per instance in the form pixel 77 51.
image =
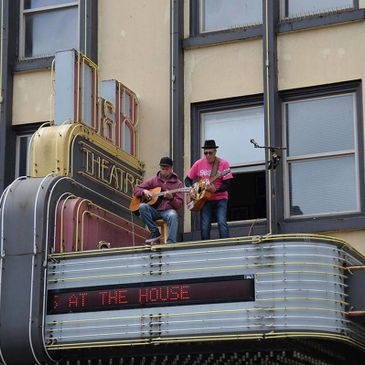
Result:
pixel 134 48
pixel 32 99
pixel 336 55
pixel 356 238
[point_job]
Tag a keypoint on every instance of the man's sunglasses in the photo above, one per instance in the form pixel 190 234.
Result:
pixel 208 153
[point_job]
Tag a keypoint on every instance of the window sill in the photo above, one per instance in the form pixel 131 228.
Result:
pixel 33 64
pixel 320 20
pixel 309 225
pixel 214 38
pixel 323 224
pixel 284 26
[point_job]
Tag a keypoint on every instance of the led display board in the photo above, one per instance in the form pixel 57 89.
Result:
pixel 153 294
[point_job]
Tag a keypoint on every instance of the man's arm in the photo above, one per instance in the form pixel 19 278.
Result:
pixel 145 185
pixel 188 182
pixel 226 184
pixel 178 198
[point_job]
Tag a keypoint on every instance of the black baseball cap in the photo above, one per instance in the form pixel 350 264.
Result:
pixel 166 161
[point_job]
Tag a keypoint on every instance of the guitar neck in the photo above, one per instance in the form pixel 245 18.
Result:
pixel 214 178
pixel 220 174
pixel 171 191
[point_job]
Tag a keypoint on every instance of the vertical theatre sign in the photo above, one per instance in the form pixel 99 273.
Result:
pixel 93 142
pixel 94 137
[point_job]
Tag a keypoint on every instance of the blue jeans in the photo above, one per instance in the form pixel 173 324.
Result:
pixel 206 213
pixel 149 215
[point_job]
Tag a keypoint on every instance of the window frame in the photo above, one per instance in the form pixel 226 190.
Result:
pixel 284 10
pixel 197 38
pixel 17 152
pixel 319 156
pixel 23 130
pixel 197 109
pixel 86 30
pixel 237 228
pixel 257 165
pixel 330 220
pixel 233 28
pixel 285 25
pixel 43 9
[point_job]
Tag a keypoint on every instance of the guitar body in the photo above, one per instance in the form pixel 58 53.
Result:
pixel 136 202
pixel 202 195
pixel 196 205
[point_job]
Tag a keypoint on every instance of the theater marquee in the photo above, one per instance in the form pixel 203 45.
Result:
pixel 79 285
pixel 77 151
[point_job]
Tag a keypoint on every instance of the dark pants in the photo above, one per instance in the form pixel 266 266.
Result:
pixel 220 207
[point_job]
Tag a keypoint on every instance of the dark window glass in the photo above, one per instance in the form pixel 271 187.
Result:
pixel 247 197
pixel 22 155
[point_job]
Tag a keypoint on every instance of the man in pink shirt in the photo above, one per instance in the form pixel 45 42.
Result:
pixel 217 203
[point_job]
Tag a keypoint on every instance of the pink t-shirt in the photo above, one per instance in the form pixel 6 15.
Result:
pixel 202 169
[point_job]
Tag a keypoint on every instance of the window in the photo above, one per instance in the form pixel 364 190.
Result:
pixel 232 130
pixel 295 8
pixel 47 26
pixel 21 154
pixel 221 14
pixel 321 174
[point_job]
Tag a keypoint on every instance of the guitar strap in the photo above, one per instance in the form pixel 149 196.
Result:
pixel 214 167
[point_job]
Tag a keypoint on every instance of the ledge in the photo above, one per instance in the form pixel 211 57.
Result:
pixel 320 20
pixel 284 26
pixel 33 64
pixel 213 38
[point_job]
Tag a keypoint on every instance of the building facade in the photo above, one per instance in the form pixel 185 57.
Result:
pixel 253 75
pixel 277 84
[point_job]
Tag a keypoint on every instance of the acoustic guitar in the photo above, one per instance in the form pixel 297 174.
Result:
pixel 156 194
pixel 201 194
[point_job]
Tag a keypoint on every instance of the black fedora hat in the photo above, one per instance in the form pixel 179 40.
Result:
pixel 166 161
pixel 210 143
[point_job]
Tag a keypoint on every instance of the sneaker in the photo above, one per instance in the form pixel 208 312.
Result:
pixel 153 238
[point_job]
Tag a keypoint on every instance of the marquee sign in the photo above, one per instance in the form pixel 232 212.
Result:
pixel 93 139
pixel 145 295
pixel 74 260
pixel 73 150
pixel 231 290
pixel 202 291
pixel 90 162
